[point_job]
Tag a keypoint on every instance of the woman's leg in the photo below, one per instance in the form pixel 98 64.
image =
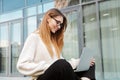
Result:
pixel 89 73
pixel 60 70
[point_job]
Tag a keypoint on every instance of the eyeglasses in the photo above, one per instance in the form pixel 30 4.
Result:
pixel 58 22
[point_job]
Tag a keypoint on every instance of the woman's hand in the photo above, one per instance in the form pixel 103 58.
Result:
pixel 92 62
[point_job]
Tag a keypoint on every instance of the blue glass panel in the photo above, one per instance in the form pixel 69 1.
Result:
pixel 9 16
pixel 48 6
pixel 46 0
pixel 110 38
pixel 40 9
pixel 12 5
pixel 4 47
pixel 71 40
pixel 15 38
pixel 31 11
pixel 31 24
pixel 0 7
pixel 31 2
pixel 87 0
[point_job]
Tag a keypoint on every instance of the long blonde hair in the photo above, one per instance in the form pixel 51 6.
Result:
pixel 48 37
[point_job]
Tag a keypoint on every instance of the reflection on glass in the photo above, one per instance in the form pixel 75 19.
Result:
pixel 73 2
pixel 3 47
pixel 39 20
pixel 48 6
pixel 40 9
pixel 91 35
pixel 32 2
pixel 71 40
pixel 12 5
pixel 31 24
pixel 0 6
pixel 15 44
pixel 87 0
pixel 11 16
pixel 110 35
pixel 31 11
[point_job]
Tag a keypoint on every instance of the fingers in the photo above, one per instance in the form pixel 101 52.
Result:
pixel 92 62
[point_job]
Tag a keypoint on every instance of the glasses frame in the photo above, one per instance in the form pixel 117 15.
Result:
pixel 58 22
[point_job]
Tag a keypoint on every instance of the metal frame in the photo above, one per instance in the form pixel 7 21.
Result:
pixel 100 42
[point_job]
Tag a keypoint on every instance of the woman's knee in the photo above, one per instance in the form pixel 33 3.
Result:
pixel 62 62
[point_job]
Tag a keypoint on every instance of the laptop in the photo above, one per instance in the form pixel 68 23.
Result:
pixel 85 58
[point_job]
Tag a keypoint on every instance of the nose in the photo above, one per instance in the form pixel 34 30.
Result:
pixel 58 26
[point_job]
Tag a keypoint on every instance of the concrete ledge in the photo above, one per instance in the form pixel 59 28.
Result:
pixel 14 78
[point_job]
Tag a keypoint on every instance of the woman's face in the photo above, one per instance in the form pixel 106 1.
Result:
pixel 55 23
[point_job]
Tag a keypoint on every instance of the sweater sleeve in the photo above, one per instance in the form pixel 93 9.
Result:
pixel 26 64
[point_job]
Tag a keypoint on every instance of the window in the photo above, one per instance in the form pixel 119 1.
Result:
pixel 0 6
pixel 31 11
pixel 32 2
pixel 87 0
pixel 71 42
pixel 40 9
pixel 91 35
pixel 10 46
pixel 15 40
pixel 9 16
pixel 48 6
pixel 110 36
pixel 4 47
pixel 12 5
pixel 31 24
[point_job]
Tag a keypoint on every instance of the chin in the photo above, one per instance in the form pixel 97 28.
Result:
pixel 53 31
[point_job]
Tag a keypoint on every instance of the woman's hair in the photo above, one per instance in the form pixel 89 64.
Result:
pixel 50 38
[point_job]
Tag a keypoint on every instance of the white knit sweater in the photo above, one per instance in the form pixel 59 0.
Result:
pixel 35 58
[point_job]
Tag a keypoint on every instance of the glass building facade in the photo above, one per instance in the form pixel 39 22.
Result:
pixel 91 23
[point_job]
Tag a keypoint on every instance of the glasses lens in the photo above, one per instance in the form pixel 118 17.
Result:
pixel 58 22
pixel 61 25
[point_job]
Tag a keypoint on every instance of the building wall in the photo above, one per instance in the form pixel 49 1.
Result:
pixel 16 23
pixel 93 23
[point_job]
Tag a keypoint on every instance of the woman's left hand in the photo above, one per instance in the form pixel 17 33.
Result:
pixel 92 62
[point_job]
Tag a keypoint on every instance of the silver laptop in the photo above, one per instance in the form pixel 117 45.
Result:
pixel 85 58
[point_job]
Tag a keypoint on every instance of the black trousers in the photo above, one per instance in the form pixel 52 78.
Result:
pixel 62 70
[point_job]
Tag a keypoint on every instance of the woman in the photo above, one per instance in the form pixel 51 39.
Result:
pixel 41 55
